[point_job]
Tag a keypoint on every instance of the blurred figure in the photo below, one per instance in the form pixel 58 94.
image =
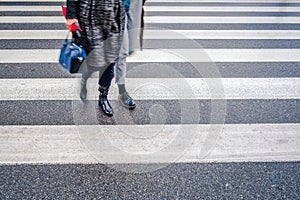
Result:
pixel 137 13
pixel 102 23
pixel 120 67
pixel 132 40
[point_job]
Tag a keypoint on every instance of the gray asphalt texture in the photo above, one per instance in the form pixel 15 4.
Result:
pixel 186 70
pixel 165 26
pixel 237 111
pixel 169 44
pixel 176 181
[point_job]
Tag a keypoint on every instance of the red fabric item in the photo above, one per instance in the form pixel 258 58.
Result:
pixel 75 27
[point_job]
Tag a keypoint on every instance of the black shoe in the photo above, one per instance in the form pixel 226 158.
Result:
pixel 126 101
pixel 83 89
pixel 103 102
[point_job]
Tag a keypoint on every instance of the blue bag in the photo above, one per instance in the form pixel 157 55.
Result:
pixel 71 56
pixel 127 5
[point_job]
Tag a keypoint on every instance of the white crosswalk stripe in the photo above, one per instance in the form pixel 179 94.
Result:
pixel 60 144
pixel 234 88
pixel 166 55
pixel 235 142
pixel 163 34
pixel 166 19
pixel 168 9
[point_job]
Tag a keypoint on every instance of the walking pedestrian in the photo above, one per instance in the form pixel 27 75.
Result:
pixel 132 40
pixel 102 23
pixel 120 67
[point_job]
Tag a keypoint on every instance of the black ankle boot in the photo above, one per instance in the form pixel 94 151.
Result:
pixel 103 102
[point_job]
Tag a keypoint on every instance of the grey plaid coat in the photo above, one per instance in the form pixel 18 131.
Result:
pixel 102 23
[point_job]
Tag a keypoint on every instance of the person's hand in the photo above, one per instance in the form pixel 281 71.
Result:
pixel 69 23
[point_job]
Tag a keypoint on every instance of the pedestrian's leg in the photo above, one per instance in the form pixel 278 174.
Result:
pixel 106 76
pixel 113 34
pixel 86 74
pixel 104 84
pixel 131 34
pixel 124 97
pixel 121 60
pixel 110 51
pixel 134 25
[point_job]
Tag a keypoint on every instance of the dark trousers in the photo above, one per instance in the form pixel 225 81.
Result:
pixel 106 75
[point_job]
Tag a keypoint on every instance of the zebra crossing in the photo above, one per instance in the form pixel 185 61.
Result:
pixel 254 60
pixel 20 94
